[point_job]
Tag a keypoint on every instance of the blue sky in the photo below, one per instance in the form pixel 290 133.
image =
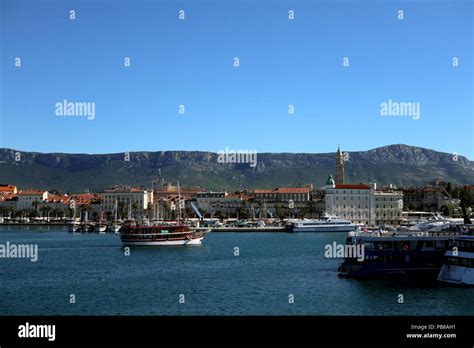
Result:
pixel 190 62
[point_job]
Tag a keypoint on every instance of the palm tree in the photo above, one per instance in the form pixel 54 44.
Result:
pixel 11 211
pixel 46 209
pixel 59 213
pixel 134 209
pixel 260 205
pixel 242 212
pixel 121 209
pixel 167 209
pixel 35 204
pixel 310 207
pixel 108 216
pixel 280 211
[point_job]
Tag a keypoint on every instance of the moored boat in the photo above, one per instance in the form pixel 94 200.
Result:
pixel 327 224
pixel 100 227
pixel 406 254
pixel 74 226
pixel 458 267
pixel 114 227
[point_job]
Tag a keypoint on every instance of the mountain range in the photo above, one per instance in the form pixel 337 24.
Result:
pixel 400 165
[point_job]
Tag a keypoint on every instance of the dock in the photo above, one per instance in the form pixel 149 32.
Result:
pixel 248 229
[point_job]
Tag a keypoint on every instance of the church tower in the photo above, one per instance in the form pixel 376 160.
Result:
pixel 339 167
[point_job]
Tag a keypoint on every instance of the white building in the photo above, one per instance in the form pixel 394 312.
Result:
pixel 364 204
pixel 135 200
pixel 388 206
pixel 31 200
pixel 347 201
pixel 211 202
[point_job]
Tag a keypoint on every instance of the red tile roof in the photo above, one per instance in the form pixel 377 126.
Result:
pixel 7 188
pixel 285 190
pixel 292 190
pixel 57 198
pixel 352 186
pixel 31 193
pixel 84 198
pixel 124 190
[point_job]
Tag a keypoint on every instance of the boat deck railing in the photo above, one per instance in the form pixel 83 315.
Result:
pixel 403 234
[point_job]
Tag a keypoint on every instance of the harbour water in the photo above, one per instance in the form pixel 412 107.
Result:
pixel 270 267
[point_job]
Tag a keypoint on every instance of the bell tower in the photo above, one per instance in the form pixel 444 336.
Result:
pixel 339 167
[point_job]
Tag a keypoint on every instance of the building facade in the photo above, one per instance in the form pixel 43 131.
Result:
pixel 127 200
pixel 388 207
pixel 364 204
pixel 348 201
pixel 31 200
pixel 212 202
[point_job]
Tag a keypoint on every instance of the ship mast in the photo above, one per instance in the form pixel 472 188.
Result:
pixel 179 204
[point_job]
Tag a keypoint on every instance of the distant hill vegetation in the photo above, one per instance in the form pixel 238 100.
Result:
pixel 400 165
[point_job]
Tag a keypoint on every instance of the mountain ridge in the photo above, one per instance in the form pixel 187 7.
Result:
pixel 397 164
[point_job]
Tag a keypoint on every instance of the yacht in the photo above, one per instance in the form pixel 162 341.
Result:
pixel 458 267
pixel 327 224
pixel 436 221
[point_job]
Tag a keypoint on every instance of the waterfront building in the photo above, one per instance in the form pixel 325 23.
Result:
pixel 125 199
pixel 79 204
pixel 282 201
pixel 31 200
pixel 364 204
pixel 221 201
pixel 283 195
pixel 431 197
pixel 388 207
pixel 169 191
pixel 349 201
pixel 8 204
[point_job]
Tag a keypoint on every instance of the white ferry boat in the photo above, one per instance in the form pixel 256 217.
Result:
pixel 328 224
pixel 459 265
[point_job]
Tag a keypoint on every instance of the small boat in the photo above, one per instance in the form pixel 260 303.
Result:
pixel 74 226
pixel 100 227
pixel 114 227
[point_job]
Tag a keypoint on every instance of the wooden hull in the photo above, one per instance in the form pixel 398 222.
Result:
pixel 160 235
pixel 194 241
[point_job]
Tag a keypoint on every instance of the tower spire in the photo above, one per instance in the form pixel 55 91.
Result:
pixel 339 167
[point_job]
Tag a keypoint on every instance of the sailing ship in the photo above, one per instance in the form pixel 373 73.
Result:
pixel 160 233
